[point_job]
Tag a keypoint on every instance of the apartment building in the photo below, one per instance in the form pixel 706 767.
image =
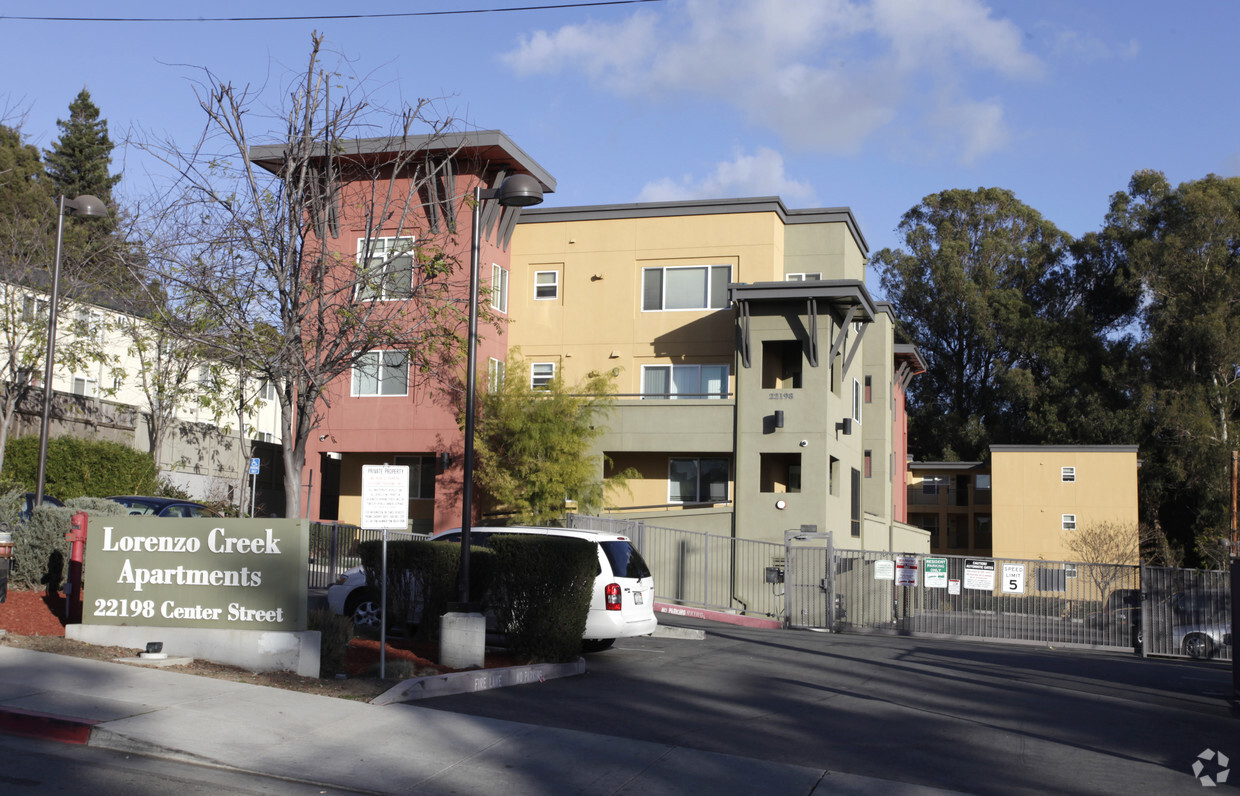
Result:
pixel 760 385
pixel 1026 501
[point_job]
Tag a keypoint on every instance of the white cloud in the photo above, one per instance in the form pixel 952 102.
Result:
pixel 978 128
pixel 759 174
pixel 826 75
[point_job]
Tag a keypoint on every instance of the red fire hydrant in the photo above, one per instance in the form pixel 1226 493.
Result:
pixel 77 551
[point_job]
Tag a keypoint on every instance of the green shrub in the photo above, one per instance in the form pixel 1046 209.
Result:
pixel 334 635
pixel 78 467
pixel 543 586
pixel 422 578
pixel 97 507
pixel 40 550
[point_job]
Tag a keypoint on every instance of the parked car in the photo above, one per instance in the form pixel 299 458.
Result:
pixel 1201 623
pixel 1120 617
pixel 48 500
pixel 163 507
pixel 622 604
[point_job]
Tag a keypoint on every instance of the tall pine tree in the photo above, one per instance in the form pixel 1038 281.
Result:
pixel 78 163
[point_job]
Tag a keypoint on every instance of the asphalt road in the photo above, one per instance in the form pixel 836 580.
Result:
pixel 978 718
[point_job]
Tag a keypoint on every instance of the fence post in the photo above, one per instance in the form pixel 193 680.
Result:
pixel 333 553
pixel 1147 618
pixel 1235 625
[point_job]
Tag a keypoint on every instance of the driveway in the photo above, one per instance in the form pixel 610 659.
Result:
pixel 978 718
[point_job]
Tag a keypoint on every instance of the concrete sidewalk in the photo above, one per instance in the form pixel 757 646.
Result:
pixel 362 747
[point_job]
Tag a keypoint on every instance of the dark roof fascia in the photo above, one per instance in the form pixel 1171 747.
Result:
pixel 698 207
pixel 909 352
pixel 837 291
pixel 946 466
pixel 269 156
pixel 1064 448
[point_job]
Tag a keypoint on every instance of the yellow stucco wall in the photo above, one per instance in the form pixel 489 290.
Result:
pixel 1030 496
pixel 597 322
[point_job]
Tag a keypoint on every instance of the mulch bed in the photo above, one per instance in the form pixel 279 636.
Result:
pixel 33 613
pixel 362 657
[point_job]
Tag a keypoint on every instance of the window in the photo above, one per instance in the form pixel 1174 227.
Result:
pixel 85 386
pixel 869 389
pixel 267 390
pixel 381 373
pixel 421 476
pixel 1067 474
pixel 541 374
pixel 856 401
pixel 34 308
pixel 854 524
pixel 982 537
pixel 264 436
pixel 495 375
pixel 684 381
pixel 833 476
pixel 981 489
pixel 868 467
pixel 697 287
pixel 1069 522
pixel 930 484
pixel 803 277
pixel 697 480
pixel 546 285
pixel 388 271
pixel 499 288
pixel 1051 579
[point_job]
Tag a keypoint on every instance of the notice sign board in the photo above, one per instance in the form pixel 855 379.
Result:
pixel 935 573
pixel 979 574
pixel 210 572
pixel 906 571
pixel 385 497
pixel 884 570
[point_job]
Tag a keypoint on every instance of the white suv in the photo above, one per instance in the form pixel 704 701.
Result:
pixel 622 604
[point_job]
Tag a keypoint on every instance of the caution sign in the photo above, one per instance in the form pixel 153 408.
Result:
pixel 979 574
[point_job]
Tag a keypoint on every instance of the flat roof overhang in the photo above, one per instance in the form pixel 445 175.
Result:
pixel 847 298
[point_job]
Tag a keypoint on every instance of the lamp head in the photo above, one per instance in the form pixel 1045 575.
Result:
pixel 85 205
pixel 519 190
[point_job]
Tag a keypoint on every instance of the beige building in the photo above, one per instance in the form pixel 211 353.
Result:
pixel 1026 502
pixel 759 388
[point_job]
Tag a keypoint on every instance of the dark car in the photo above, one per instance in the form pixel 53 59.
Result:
pixel 163 507
pixel 1120 618
pixel 48 500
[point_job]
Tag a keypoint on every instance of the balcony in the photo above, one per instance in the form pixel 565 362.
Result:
pixel 701 425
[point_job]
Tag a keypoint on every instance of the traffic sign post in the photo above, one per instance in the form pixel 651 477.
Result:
pixel 254 465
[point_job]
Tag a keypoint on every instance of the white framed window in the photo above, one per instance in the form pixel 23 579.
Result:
pixel 264 436
pixel 495 374
pixel 421 476
pixel 267 391
pixel 34 308
pixel 1069 522
pixel 857 400
pixel 684 381
pixel 386 274
pixel 85 386
pixel 697 480
pixel 499 288
pixel 378 373
pixel 546 285
pixel 1067 474
pixel 541 374
pixel 685 287
pixel 811 276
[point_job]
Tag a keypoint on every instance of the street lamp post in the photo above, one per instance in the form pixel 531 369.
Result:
pixel 84 205
pixel 518 190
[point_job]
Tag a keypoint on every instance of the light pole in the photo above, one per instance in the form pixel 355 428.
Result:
pixel 84 205
pixel 518 190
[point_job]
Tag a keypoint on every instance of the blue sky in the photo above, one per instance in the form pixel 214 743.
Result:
pixel 870 104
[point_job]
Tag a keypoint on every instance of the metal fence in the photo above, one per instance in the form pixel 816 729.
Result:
pixel 333 549
pixel 1186 613
pixel 1042 602
pixel 701 569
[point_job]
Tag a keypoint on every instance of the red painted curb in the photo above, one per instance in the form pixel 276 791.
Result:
pixel 30 724
pixel 718 616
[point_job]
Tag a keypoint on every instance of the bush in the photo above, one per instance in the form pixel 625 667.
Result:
pixel 78 467
pixel 422 578
pixel 543 586
pixel 40 550
pixel 97 507
pixel 334 635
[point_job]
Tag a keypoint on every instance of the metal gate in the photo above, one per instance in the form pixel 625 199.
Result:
pixel 809 580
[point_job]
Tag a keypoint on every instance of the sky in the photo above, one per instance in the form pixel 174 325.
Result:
pixel 866 104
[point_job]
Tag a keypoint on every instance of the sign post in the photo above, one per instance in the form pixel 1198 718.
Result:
pixel 254 465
